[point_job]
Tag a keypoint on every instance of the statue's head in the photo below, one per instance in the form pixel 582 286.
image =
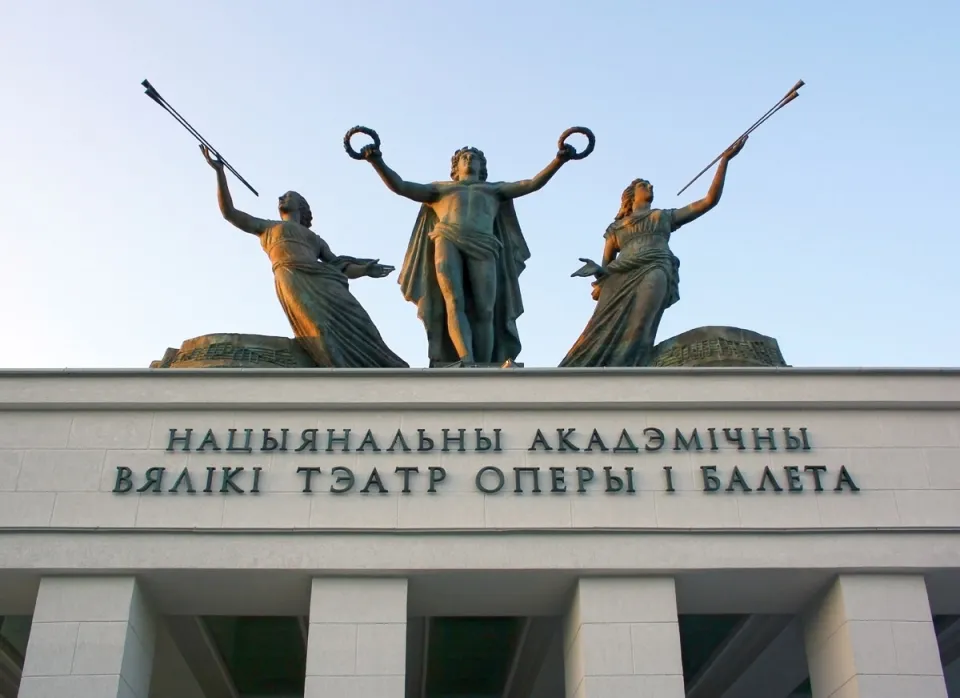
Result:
pixel 294 207
pixel 638 194
pixel 468 163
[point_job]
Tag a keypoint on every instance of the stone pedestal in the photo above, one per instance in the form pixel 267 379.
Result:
pixel 704 346
pixel 718 346
pixel 224 350
pixel 236 351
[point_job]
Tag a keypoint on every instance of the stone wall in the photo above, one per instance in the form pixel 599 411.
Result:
pixel 65 440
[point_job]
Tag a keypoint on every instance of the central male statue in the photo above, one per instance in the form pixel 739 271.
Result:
pixel 465 257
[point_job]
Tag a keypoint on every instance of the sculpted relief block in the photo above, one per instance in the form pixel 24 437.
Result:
pixel 236 351
pixel 718 346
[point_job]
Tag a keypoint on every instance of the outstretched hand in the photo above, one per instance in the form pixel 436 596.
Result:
pixel 589 268
pixel 213 160
pixel 375 270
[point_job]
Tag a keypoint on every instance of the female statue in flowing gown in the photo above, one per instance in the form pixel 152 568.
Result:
pixel 312 283
pixel 639 277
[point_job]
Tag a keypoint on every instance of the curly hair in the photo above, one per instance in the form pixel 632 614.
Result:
pixel 306 215
pixel 456 159
pixel 626 198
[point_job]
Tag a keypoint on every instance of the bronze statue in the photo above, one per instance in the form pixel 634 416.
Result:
pixel 639 276
pixel 312 283
pixel 466 253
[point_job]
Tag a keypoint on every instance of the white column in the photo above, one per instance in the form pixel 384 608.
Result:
pixel 871 636
pixel 92 637
pixel 357 643
pixel 621 638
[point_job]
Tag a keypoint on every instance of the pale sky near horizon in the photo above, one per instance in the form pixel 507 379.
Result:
pixel 836 233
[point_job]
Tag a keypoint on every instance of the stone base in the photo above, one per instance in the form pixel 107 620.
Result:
pixel 718 346
pixel 704 346
pixel 509 363
pixel 236 351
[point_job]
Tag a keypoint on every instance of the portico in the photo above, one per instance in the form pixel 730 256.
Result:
pixel 629 572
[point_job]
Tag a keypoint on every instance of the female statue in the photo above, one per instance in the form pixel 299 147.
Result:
pixel 639 277
pixel 312 283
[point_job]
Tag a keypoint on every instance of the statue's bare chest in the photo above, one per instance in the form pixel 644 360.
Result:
pixel 477 203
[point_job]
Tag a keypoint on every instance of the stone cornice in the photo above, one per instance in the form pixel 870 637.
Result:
pixel 480 389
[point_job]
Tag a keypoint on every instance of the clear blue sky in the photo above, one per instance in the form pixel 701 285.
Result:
pixel 837 232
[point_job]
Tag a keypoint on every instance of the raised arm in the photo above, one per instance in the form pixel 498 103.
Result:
pixel 692 212
pixel 513 190
pixel 244 221
pixel 424 193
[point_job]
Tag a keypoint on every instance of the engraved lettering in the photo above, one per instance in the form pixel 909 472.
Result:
pixel 845 478
pixel 682 443
pixel 557 483
pixel 769 438
pixel 374 479
pixel 308 438
pixel 614 482
pixel 459 440
pixel 518 485
pixel 437 475
pixel 185 439
pixel 183 477
pixel 625 444
pixel 247 435
pixel 208 440
pixel 227 483
pixel 497 473
pixel 154 480
pixel 333 439
pixel 768 477
pixel 584 475
pixel 124 481
pixel 738 439
pixel 655 439
pixel 270 443
pixel 563 440
pixel 308 473
pixel 668 475
pixel 345 477
pixel 595 440
pixel 398 439
pixel 816 471
pixel 711 483
pixel 368 440
pixel 424 442
pixel 540 440
pixel 406 477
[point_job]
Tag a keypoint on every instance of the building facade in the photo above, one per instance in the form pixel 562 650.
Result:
pixel 716 533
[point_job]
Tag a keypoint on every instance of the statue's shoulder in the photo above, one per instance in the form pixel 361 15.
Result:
pixel 615 227
pixel 269 225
